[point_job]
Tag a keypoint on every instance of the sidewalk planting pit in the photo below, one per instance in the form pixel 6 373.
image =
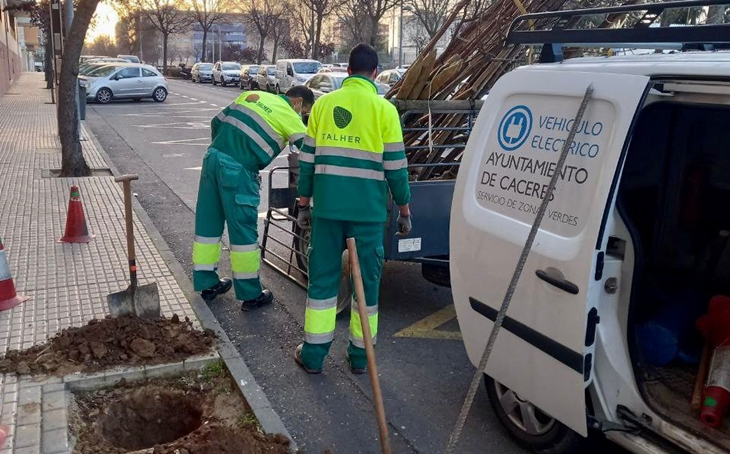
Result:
pixel 102 344
pixel 200 412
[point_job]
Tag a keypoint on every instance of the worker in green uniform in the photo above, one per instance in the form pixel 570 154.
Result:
pixel 247 136
pixel 352 154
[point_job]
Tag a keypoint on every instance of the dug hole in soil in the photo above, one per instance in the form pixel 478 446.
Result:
pixel 193 414
pixel 101 344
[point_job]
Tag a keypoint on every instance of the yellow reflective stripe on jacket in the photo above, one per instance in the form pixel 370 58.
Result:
pixel 349 153
pixel 248 131
pixel 256 117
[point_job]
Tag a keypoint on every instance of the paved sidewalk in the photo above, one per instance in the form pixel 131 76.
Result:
pixel 67 283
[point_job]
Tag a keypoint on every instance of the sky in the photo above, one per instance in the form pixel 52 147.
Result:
pixel 106 19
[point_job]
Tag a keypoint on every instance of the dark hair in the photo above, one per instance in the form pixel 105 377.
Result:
pixel 363 59
pixel 300 91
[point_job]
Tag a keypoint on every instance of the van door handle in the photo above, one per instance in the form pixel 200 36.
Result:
pixel 559 282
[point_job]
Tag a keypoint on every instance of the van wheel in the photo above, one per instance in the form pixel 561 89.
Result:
pixel 528 425
pixel 302 245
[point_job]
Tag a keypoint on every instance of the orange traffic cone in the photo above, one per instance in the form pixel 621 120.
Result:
pixel 8 297
pixel 76 231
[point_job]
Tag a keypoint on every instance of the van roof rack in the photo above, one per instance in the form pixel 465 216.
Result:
pixel 556 29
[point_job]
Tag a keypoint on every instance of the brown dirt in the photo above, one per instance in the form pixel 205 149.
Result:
pixel 102 344
pixel 194 414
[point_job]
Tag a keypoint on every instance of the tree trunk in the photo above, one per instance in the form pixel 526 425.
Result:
pixel 277 37
pixel 73 163
pixel 260 56
pixel 205 43
pixel 374 31
pixel 48 63
pixel 317 37
pixel 165 36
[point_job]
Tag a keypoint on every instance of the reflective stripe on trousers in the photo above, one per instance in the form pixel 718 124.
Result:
pixel 320 319
pixel 206 253
pixel 356 333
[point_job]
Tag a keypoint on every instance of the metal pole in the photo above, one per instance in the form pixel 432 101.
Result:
pixel 400 37
pixel 141 40
pixel 220 43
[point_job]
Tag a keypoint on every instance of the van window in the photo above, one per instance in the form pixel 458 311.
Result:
pixel 521 157
pixel 307 67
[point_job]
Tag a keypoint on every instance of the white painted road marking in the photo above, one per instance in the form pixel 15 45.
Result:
pixel 194 168
pixel 188 142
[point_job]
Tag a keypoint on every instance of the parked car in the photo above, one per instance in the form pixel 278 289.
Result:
pixel 390 77
pixel 248 78
pixel 294 72
pixel 92 65
pixel 332 69
pixel 129 58
pixel 324 83
pixel 202 72
pixel 85 58
pixel 124 81
pixel 266 78
pixel 226 72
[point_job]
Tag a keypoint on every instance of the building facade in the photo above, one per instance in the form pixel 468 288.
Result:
pixel 9 48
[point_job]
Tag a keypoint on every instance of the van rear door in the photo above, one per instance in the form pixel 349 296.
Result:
pixel 544 352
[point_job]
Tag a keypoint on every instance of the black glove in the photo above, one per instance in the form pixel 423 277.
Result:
pixel 404 225
pixel 304 217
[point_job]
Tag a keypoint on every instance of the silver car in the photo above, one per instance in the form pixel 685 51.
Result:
pixel 266 79
pixel 226 72
pixel 202 72
pixel 324 83
pixel 124 81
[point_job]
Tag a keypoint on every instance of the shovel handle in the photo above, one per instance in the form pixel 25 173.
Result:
pixel 126 181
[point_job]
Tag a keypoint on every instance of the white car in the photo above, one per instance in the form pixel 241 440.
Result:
pixel 602 334
pixel 294 72
pixel 324 83
pixel 124 81
pixel 226 73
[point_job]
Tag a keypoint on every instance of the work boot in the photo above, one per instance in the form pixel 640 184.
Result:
pixel 298 359
pixel 357 370
pixel 223 286
pixel 266 297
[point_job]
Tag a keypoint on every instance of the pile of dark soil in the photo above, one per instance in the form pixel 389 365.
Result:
pixel 194 414
pixel 126 340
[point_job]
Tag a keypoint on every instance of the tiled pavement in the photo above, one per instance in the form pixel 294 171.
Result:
pixel 67 283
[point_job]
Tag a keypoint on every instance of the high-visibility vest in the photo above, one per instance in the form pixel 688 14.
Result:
pixel 352 153
pixel 255 128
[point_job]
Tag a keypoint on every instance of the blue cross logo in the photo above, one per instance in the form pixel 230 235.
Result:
pixel 515 128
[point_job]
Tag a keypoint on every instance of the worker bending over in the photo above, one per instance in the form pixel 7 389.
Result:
pixel 247 136
pixel 354 144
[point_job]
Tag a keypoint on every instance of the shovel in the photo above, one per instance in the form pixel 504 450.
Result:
pixel 144 300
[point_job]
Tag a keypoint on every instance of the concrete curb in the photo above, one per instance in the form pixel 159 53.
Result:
pixel 268 418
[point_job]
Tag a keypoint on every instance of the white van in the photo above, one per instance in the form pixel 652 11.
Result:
pixel 600 335
pixel 294 72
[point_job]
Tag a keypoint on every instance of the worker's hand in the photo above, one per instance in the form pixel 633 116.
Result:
pixel 304 217
pixel 404 225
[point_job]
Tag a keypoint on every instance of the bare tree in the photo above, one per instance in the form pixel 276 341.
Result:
pixel 265 16
pixel 318 10
pixel 374 10
pixel 167 16
pixel 416 33
pixel 355 23
pixel 206 14
pixel 280 32
pixel 302 19
pixel 430 14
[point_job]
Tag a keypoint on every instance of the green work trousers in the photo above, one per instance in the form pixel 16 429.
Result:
pixel 325 270
pixel 228 194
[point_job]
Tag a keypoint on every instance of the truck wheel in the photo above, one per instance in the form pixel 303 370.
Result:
pixel 301 245
pixel 528 425
pixel 436 274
